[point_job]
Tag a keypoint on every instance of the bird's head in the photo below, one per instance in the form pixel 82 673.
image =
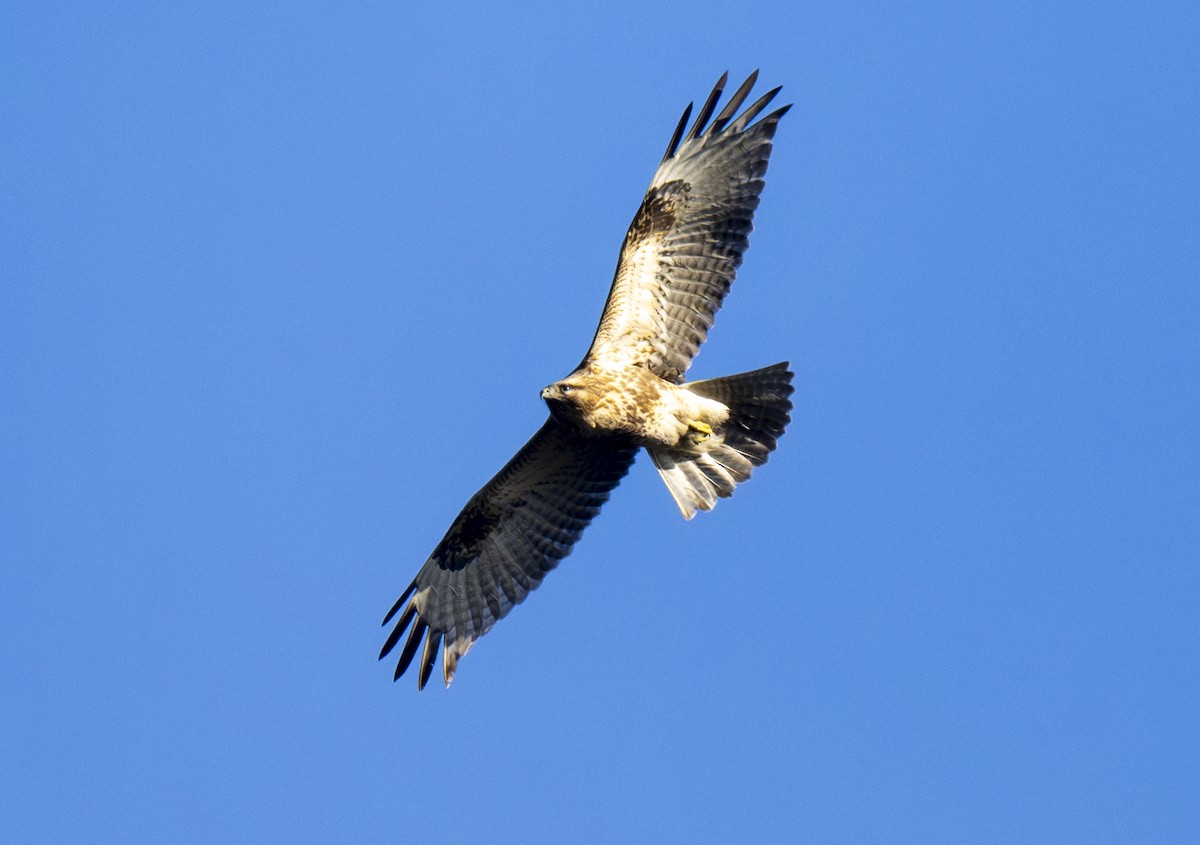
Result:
pixel 568 398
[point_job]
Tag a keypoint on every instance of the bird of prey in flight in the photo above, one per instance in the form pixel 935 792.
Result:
pixel 676 265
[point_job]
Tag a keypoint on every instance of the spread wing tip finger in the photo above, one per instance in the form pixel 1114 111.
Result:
pixel 400 602
pixel 430 655
pixel 678 133
pixel 701 128
pixel 398 631
pixel 707 110
pixel 410 647
pixel 433 641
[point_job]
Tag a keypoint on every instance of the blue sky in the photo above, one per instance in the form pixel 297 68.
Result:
pixel 280 287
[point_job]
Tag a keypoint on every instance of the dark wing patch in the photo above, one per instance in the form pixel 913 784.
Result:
pixel 658 212
pixel 687 240
pixel 509 535
pixel 472 528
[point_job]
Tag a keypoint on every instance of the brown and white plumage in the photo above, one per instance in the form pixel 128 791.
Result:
pixel 676 265
pixel 688 237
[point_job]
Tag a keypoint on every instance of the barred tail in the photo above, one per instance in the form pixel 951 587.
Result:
pixel 697 474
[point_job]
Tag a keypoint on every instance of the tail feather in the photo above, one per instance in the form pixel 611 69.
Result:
pixel 759 411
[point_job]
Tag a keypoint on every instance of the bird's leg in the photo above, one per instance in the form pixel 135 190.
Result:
pixel 698 432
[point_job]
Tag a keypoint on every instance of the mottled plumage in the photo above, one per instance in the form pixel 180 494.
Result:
pixel 676 265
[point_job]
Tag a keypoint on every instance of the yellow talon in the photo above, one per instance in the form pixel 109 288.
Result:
pixel 698 432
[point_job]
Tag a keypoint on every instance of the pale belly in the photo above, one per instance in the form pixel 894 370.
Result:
pixel 653 410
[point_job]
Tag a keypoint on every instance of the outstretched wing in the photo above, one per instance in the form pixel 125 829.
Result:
pixel 687 239
pixel 509 535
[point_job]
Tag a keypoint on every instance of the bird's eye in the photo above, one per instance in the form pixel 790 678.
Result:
pixel 565 388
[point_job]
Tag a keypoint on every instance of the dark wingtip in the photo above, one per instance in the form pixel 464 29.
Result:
pixel 410 647
pixel 707 110
pixel 399 602
pixel 674 145
pixel 755 108
pixel 398 631
pixel 727 118
pixel 735 102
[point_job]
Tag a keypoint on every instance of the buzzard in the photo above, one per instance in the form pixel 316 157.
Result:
pixel 676 265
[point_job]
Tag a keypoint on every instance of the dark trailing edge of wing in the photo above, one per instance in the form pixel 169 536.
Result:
pixel 726 114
